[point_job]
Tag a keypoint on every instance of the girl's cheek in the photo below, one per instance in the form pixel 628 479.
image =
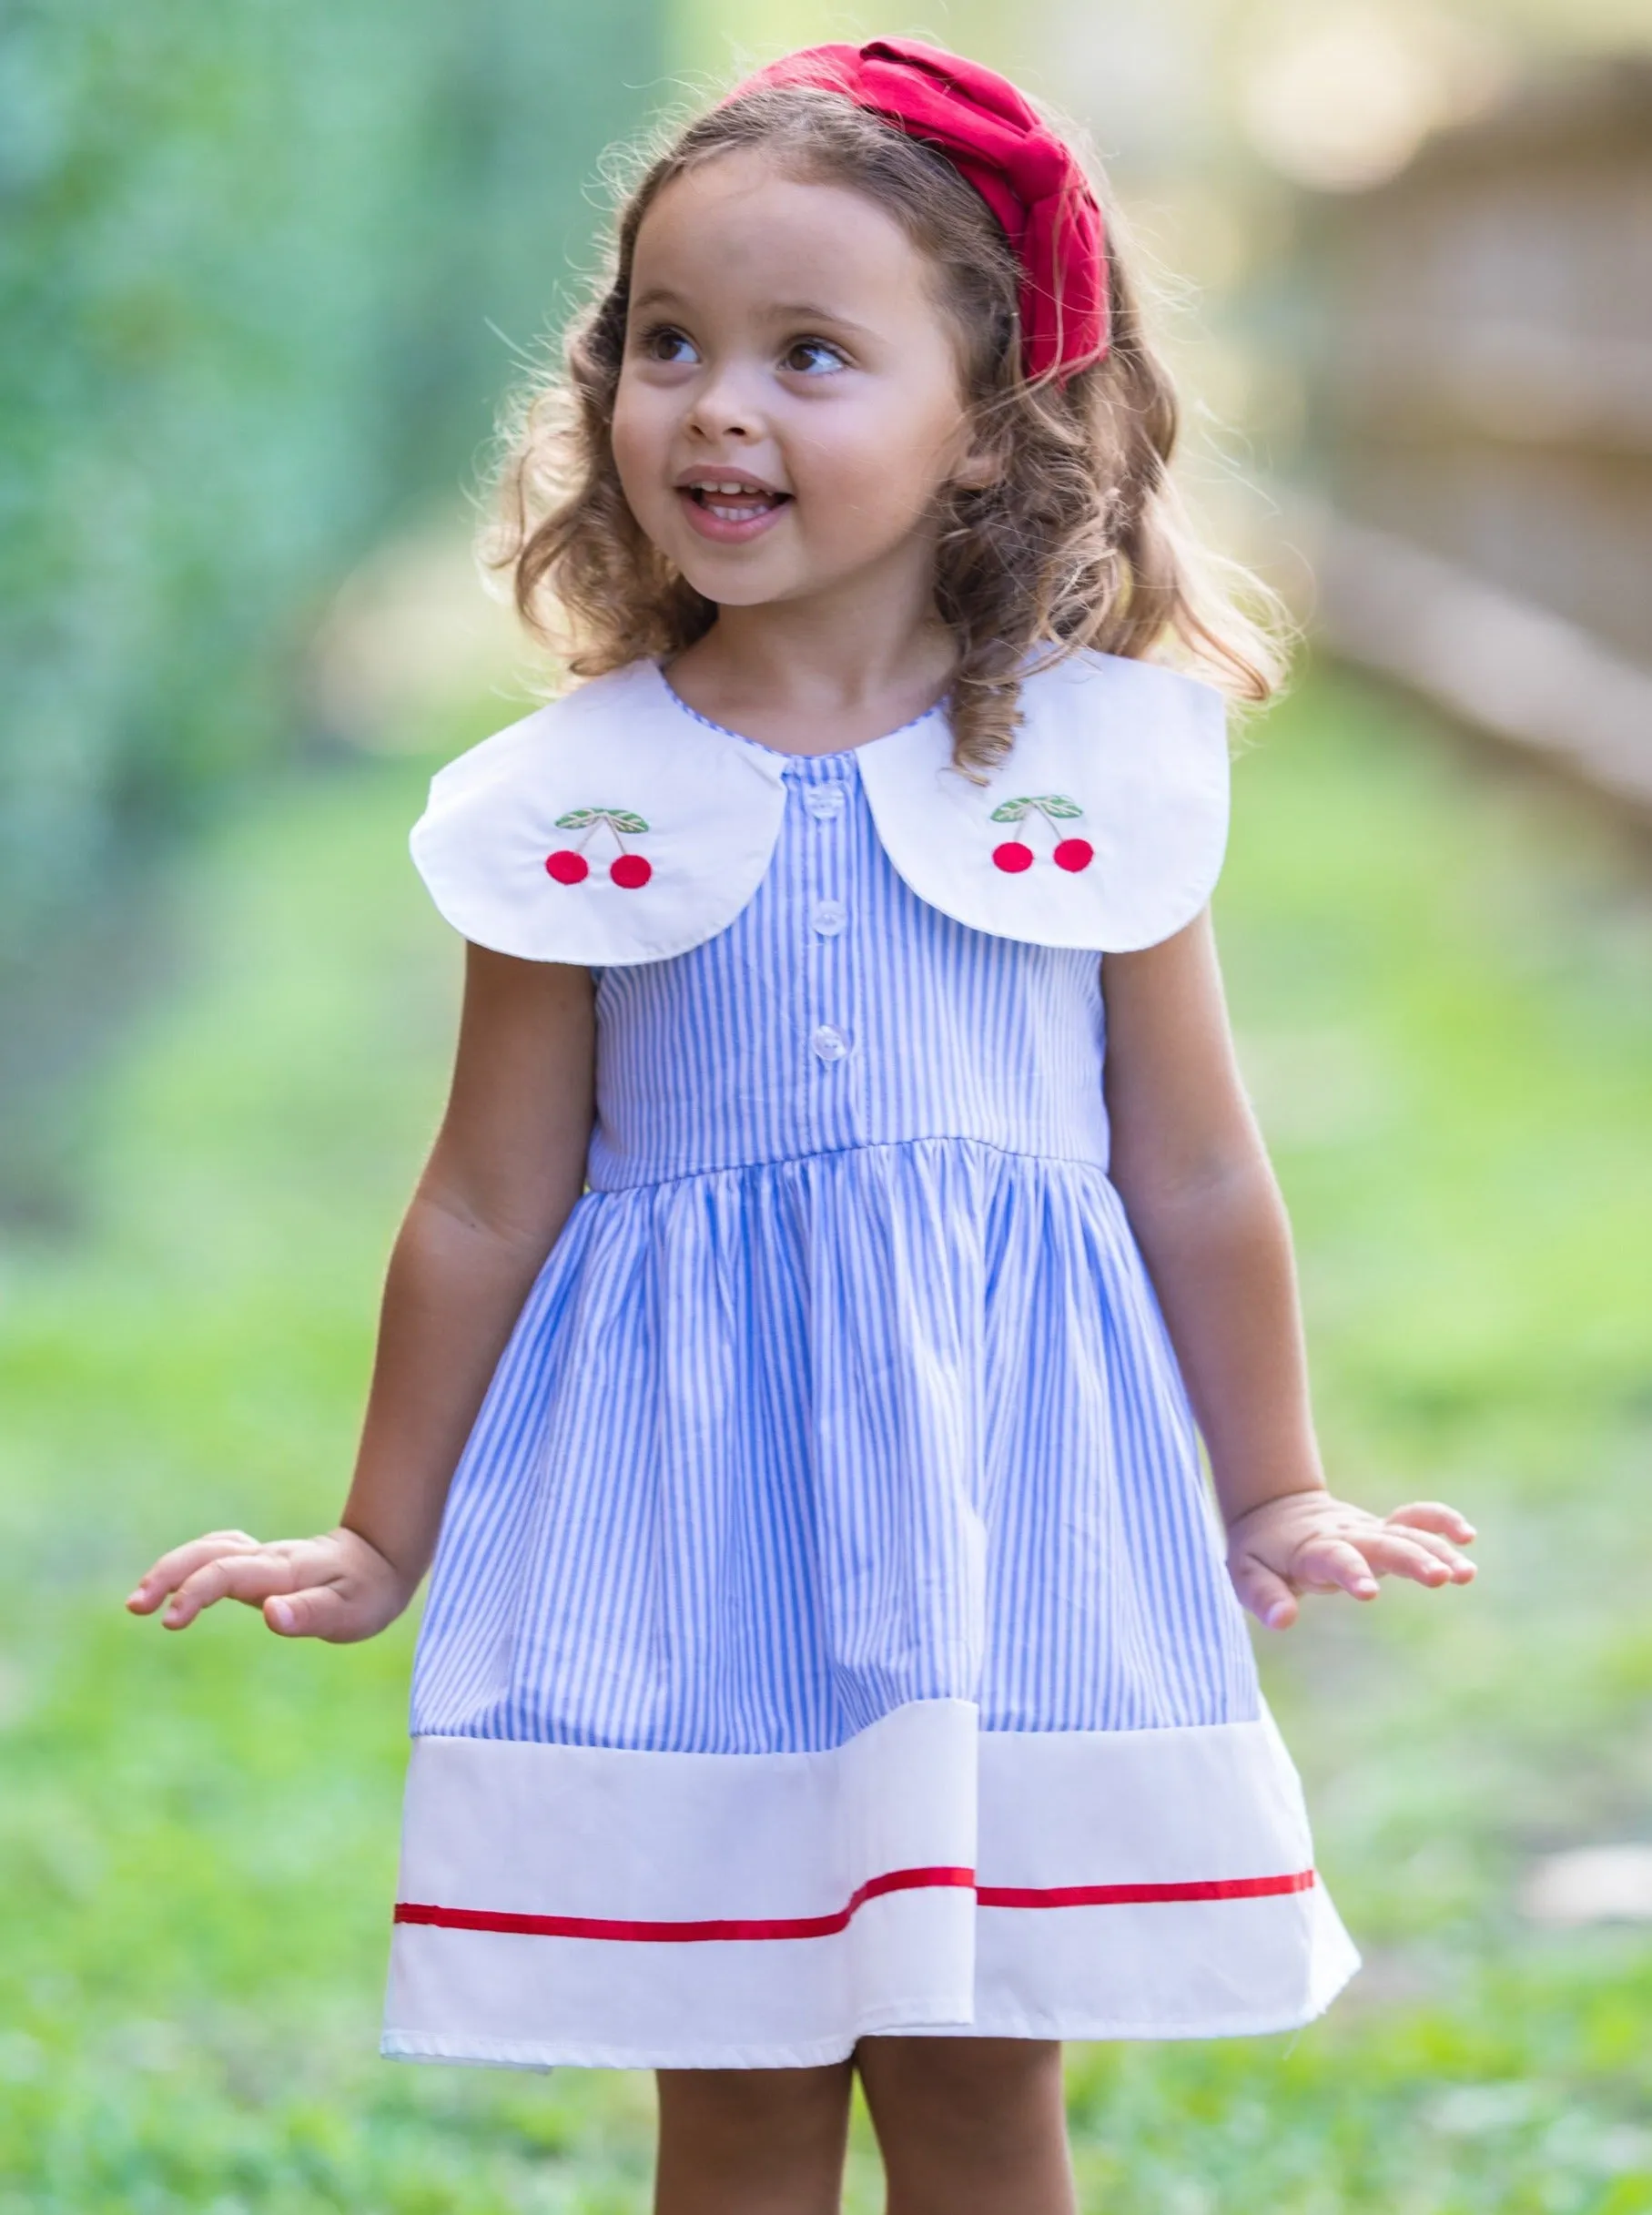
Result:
pixel 638 416
pixel 636 454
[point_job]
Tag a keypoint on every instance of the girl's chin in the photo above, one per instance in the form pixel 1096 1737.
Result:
pixel 731 589
pixel 740 576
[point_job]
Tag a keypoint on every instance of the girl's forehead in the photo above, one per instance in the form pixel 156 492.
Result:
pixel 741 211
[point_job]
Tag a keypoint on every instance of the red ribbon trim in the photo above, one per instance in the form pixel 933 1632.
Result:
pixel 1143 1895
pixel 828 1927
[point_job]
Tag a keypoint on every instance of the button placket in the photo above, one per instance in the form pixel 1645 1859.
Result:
pixel 826 915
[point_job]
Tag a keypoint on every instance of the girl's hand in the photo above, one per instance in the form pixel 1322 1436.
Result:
pixel 1308 1542
pixel 335 1586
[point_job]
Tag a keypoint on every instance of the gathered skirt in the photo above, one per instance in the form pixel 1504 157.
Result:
pixel 830 1634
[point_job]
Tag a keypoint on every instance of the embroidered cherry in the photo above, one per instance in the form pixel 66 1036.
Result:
pixel 569 866
pixel 1015 855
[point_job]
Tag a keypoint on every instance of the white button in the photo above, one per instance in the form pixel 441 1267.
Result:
pixel 829 916
pixel 824 801
pixel 829 1045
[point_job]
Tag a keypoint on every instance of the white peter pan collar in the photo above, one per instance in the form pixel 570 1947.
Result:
pixel 706 806
pixel 1112 802
pixel 1114 795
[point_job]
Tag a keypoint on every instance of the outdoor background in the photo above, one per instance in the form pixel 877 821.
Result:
pixel 265 274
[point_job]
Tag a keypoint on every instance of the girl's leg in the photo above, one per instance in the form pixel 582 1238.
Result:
pixel 970 2125
pixel 755 2142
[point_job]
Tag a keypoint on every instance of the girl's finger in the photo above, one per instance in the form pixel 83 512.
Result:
pixel 1434 1515
pixel 247 1577
pixel 320 1611
pixel 1327 1564
pixel 1269 1598
pixel 1428 1541
pixel 1392 1555
pixel 172 1569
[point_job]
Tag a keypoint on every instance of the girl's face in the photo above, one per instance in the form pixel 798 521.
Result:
pixel 789 402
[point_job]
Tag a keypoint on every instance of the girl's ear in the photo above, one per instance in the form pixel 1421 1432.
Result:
pixel 980 466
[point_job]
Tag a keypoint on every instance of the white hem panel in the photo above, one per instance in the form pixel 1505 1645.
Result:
pixel 1222 1803
pixel 583 1905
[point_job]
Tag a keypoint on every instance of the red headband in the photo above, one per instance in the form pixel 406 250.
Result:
pixel 995 142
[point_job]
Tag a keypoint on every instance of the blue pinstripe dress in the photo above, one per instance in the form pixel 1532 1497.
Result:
pixel 840 1458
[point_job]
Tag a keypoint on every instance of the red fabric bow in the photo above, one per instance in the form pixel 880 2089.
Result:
pixel 996 141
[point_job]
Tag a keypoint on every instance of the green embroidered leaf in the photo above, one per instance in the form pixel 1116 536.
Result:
pixel 1060 808
pixel 582 819
pixel 1012 812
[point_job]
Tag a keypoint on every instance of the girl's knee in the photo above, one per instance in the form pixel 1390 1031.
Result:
pixel 766 2141
pixel 969 2124
pixel 746 2105
pixel 972 2087
pixel 962 2064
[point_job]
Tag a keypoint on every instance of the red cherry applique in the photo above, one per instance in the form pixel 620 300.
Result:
pixel 568 866
pixel 1056 808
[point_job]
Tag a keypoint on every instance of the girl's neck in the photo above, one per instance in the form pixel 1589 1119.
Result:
pixel 811 676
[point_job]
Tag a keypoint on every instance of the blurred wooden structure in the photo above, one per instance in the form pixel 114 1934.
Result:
pixel 1485 422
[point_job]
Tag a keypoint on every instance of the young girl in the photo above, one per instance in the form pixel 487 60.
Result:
pixel 830 1664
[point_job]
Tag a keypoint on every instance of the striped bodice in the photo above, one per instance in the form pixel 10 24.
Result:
pixel 839 1010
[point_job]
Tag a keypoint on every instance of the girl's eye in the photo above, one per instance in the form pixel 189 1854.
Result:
pixel 664 344
pixel 810 356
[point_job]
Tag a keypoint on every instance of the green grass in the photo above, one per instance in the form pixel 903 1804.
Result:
pixel 1443 979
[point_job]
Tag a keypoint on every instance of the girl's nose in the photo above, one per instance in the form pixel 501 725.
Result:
pixel 724 407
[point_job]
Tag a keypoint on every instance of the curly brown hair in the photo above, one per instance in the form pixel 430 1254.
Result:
pixel 1078 542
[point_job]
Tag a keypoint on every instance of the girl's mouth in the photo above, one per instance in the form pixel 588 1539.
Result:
pixel 731 514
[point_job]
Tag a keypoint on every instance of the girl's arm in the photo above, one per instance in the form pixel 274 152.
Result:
pixel 506 1169
pixel 1190 1165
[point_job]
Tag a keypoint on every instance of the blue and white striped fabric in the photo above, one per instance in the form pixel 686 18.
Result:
pixel 845 1387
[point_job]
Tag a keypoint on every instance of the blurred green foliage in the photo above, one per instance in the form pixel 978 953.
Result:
pixel 255 263
pixel 1444 983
